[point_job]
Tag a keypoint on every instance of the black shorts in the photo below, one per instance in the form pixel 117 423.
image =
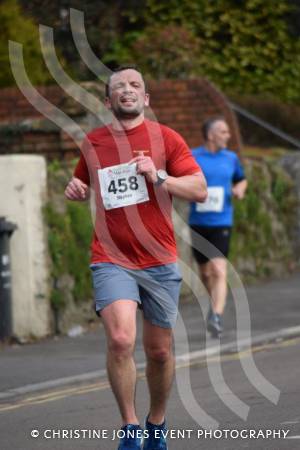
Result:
pixel 219 237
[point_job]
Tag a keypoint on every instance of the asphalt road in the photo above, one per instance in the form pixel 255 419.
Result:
pixel 58 387
pixel 223 394
pixel 272 306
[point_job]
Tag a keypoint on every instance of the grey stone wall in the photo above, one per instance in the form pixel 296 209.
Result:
pixel 291 163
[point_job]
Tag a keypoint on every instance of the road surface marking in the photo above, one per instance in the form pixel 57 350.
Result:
pixel 99 386
pixel 282 334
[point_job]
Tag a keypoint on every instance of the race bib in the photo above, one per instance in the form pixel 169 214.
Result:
pixel 121 186
pixel 214 201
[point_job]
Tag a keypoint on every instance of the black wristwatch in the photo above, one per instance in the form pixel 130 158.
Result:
pixel 161 177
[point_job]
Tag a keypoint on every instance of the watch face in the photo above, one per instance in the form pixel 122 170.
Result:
pixel 162 174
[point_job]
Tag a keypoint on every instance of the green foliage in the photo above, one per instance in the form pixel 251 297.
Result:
pixel 264 220
pixel 69 234
pixel 16 27
pixel 161 52
pixel 287 204
pixel 243 46
pixel 103 25
pixel 249 49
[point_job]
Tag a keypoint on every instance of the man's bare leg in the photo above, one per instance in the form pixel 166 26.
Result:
pixel 214 277
pixel 119 319
pixel 160 368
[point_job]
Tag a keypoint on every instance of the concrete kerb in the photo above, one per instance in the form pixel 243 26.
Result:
pixel 184 359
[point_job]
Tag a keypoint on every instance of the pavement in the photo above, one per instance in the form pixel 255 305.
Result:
pixel 274 314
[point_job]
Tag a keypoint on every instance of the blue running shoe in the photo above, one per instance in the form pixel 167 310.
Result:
pixel 214 324
pixel 155 436
pixel 133 438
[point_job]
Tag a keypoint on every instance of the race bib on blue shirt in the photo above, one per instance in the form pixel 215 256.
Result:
pixel 214 201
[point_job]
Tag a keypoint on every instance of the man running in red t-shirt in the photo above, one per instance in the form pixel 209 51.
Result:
pixel 134 166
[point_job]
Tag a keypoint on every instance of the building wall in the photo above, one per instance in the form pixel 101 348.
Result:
pixel 185 104
pixel 180 104
pixel 23 179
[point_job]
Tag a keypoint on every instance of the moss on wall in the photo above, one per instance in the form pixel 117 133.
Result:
pixel 262 236
pixel 69 234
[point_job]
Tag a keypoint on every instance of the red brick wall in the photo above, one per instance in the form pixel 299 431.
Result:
pixel 180 104
pixel 185 104
pixel 14 106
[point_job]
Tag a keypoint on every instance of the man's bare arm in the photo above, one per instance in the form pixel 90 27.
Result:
pixel 239 189
pixel 189 187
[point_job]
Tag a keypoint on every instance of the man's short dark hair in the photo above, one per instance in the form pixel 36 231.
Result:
pixel 120 69
pixel 209 123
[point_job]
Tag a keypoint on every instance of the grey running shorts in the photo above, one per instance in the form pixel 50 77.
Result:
pixel 155 289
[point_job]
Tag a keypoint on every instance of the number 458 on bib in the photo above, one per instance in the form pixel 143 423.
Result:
pixel 121 186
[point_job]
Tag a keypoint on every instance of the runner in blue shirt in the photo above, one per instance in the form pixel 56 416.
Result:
pixel 213 219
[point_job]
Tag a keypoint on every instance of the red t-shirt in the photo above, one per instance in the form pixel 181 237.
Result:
pixel 140 235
